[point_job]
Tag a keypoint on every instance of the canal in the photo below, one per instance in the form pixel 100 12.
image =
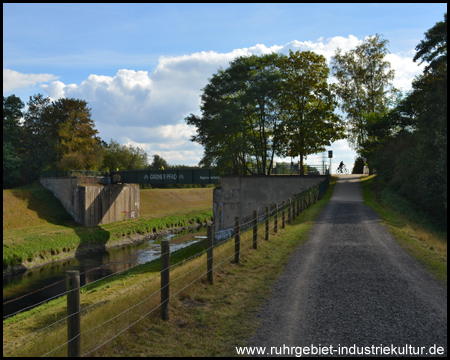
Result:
pixel 41 284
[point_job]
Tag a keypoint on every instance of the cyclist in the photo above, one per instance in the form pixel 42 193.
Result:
pixel 341 167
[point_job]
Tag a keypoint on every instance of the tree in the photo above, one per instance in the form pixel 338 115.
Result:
pixel 434 48
pixel 239 125
pixel 364 87
pixel 308 105
pixel 12 131
pixel 37 142
pixel 118 156
pixel 158 163
pixel 75 134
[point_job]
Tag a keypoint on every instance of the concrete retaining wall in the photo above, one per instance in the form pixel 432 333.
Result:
pixel 92 205
pixel 240 196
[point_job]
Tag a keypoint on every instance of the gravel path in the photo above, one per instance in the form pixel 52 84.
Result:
pixel 352 284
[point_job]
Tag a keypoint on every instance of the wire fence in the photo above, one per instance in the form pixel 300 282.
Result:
pixel 89 328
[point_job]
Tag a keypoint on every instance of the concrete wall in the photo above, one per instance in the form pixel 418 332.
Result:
pixel 92 205
pixel 240 196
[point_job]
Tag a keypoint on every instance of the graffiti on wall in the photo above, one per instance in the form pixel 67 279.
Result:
pixel 128 214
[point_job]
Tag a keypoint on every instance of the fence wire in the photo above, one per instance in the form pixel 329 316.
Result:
pixel 246 236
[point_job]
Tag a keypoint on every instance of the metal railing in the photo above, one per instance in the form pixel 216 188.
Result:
pixel 67 173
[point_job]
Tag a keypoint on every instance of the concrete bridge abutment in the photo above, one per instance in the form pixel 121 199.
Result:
pixel 92 204
pixel 240 196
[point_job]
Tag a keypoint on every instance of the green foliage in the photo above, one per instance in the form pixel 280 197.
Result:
pixel 158 163
pixel 358 168
pixel 118 156
pixel 265 106
pixel 76 140
pixel 364 86
pixel 433 49
pixel 308 104
pixel 12 163
pixel 411 158
pixel 240 123
pixel 57 135
pixel 37 147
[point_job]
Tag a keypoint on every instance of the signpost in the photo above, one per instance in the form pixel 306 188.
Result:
pixel 330 155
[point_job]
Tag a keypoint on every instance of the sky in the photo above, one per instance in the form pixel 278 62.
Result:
pixel 142 67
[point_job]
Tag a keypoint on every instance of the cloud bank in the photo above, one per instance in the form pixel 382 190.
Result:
pixel 147 109
pixel 13 80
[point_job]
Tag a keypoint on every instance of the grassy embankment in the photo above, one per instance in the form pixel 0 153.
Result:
pixel 410 228
pixel 36 228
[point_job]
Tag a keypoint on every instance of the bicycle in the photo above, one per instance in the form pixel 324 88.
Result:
pixel 342 170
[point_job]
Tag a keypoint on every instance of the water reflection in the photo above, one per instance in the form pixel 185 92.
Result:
pixel 92 267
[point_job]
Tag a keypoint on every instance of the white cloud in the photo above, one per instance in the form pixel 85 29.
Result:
pixel 148 108
pixel 176 148
pixel 405 70
pixel 13 80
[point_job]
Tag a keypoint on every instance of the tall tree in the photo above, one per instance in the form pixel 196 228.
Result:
pixel 12 113
pixel 239 122
pixel 433 49
pixel 308 105
pixel 429 100
pixel 75 135
pixel 37 142
pixel 364 87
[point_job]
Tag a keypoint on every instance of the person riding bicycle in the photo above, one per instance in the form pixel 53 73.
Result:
pixel 341 166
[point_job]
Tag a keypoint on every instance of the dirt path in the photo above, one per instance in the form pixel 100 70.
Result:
pixel 352 284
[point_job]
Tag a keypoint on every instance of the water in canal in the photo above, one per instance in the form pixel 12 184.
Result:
pixel 26 286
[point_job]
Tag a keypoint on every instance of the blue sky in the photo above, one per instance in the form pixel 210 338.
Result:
pixel 141 67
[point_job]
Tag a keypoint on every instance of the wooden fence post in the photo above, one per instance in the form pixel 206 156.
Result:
pixel 255 229
pixel 73 313
pixel 293 207
pixel 267 223
pixel 289 211
pixel 237 239
pixel 209 262
pixel 283 212
pixel 165 278
pixel 275 222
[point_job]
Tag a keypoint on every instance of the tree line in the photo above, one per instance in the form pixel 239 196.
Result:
pixel 59 135
pixel 272 105
pixel 266 106
pixel 407 143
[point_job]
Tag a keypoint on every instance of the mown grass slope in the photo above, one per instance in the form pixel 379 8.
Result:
pixel 36 225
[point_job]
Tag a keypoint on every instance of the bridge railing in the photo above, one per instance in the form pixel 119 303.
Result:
pixel 281 169
pixel 197 176
pixel 64 173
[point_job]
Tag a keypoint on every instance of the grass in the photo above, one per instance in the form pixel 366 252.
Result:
pixel 36 227
pixel 204 320
pixel 409 228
